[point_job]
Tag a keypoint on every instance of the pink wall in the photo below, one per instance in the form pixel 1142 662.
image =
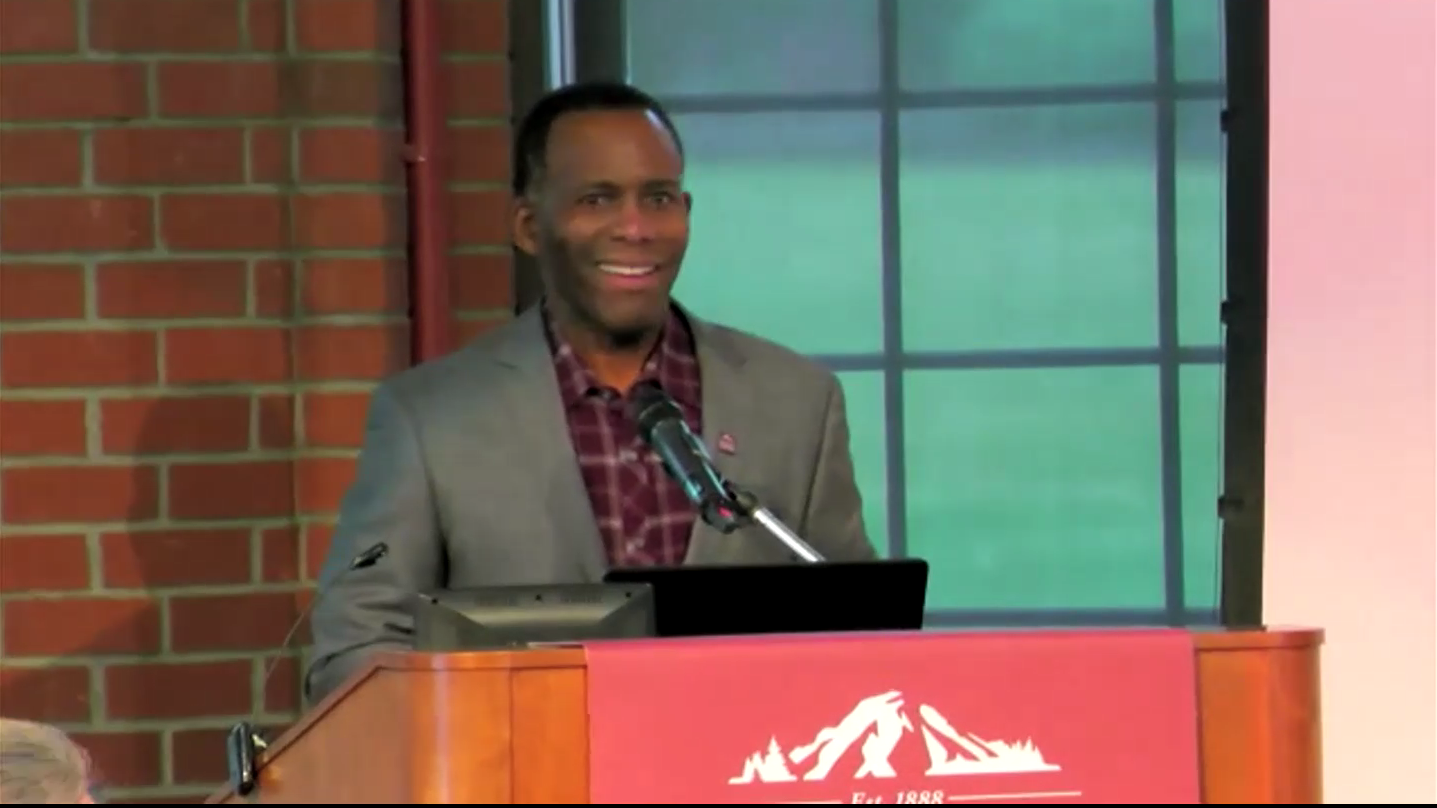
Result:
pixel 1351 448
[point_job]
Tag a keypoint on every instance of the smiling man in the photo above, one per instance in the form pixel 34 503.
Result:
pixel 514 460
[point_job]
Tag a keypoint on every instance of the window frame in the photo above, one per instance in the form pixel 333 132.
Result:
pixel 591 35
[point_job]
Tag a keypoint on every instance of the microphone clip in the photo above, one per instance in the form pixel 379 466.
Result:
pixel 243 745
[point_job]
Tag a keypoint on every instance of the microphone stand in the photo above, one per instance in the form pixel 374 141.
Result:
pixel 750 511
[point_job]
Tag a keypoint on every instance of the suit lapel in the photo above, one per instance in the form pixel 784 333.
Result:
pixel 543 432
pixel 727 416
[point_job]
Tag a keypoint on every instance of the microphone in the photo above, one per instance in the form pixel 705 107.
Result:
pixel 244 742
pixel 723 506
pixel 661 426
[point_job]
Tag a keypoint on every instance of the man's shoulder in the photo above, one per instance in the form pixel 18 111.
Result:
pixel 769 358
pixel 461 374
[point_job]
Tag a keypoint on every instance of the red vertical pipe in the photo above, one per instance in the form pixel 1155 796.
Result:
pixel 429 316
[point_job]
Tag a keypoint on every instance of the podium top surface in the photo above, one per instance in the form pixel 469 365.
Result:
pixel 564 656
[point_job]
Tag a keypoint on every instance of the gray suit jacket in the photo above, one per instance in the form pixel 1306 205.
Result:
pixel 468 474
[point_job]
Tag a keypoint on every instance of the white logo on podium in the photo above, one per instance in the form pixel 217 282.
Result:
pixel 876 725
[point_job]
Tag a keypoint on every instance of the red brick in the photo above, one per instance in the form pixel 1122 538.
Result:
pixel 53 427
pixel 247 221
pixel 476 89
pixel 77 358
pixel 37 563
pixel 75 494
pixel 320 88
pixel 270 154
pixel 175 424
pixel 479 218
pixel 81 625
pixel 347 88
pixel 354 286
pixel 169 155
pixel 335 420
pixel 94 91
pixel 123 759
pixel 209 622
pixel 220 89
pixel 315 545
pixel 238 490
pixel 41 291
pixel 279 555
pixel 320 483
pixel 351 154
pixel 53 694
pixel 171 289
pixel 481 282
pixel 39 157
pixel 180 690
pixel 472 27
pixel 282 691
pixel 272 288
pixel 227 355
pixel 276 421
pixel 37 224
pixel 267 23
pixel 170 26
pixel 347 25
pixel 349 221
pixel 477 153
pixel 147 559
pixel 353 353
pixel 37 26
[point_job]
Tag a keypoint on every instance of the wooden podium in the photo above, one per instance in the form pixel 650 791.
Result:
pixel 512 727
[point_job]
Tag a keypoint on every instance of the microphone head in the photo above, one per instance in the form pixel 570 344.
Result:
pixel 649 406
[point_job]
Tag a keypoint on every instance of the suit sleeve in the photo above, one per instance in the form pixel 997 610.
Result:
pixel 360 612
pixel 833 521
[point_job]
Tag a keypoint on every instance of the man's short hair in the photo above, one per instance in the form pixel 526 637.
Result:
pixel 40 765
pixel 531 140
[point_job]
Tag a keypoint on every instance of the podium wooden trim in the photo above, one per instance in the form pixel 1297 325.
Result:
pixel 512 728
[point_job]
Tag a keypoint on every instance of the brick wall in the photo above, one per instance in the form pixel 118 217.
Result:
pixel 202 240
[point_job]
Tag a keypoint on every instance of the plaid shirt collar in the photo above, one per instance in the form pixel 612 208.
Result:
pixel 672 363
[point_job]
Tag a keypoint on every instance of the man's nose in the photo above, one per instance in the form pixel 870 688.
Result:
pixel 635 222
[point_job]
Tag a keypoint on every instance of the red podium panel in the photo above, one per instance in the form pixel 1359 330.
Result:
pixel 1041 717
pixel 1081 717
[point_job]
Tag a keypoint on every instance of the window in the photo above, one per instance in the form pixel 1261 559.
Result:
pixel 1001 223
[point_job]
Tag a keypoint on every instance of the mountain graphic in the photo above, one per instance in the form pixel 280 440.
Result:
pixel 876 726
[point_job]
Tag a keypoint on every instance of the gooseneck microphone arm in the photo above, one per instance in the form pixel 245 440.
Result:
pixel 754 512
pixel 722 505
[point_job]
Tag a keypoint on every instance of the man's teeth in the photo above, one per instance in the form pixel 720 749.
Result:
pixel 631 271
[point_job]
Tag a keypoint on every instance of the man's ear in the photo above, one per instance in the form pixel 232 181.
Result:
pixel 523 225
pixel 688 202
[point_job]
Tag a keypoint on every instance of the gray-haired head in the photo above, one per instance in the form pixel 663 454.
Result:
pixel 40 765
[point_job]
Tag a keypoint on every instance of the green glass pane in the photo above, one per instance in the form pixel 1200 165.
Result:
pixel 1198 36
pixel 1200 416
pixel 1036 489
pixel 786 229
pixel 752 47
pixel 863 392
pixel 1029 228
pixel 1201 222
pixel 986 44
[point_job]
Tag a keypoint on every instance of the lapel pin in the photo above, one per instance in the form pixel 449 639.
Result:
pixel 726 444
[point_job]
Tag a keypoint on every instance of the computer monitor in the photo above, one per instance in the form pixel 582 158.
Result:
pixel 695 601
pixel 501 617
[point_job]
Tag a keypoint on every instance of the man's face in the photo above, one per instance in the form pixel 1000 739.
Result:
pixel 608 221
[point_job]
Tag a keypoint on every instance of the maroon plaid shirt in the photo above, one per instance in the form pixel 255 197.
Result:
pixel 643 515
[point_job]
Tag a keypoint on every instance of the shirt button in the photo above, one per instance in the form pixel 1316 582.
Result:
pixel 627 456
